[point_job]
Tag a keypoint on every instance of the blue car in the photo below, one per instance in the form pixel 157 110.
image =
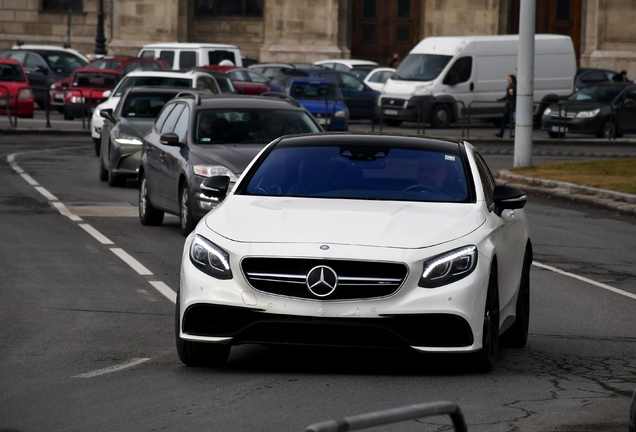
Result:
pixel 322 98
pixel 359 97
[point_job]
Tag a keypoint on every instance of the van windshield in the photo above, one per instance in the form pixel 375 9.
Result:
pixel 421 67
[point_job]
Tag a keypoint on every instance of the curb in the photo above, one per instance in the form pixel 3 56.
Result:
pixel 621 203
pixel 28 131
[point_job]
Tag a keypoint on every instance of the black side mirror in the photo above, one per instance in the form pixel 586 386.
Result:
pixel 171 139
pixel 42 69
pixel 107 113
pixel 508 198
pixel 215 188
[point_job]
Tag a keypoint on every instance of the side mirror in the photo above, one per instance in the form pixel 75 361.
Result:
pixel 106 94
pixel 508 198
pixel 107 113
pixel 42 69
pixel 215 188
pixel 170 139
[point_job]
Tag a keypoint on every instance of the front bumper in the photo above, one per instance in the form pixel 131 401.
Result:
pixel 405 108
pixel 583 125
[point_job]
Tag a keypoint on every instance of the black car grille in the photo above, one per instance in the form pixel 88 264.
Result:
pixel 356 280
pixel 562 114
pixel 393 103
pixel 396 331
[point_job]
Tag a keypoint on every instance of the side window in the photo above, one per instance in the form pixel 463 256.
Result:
pixel 630 98
pixel 33 61
pixel 168 57
pixel 187 59
pixel 254 77
pixel 172 119
pixel 237 75
pixel 207 83
pixel 352 83
pixel 487 180
pixel 181 128
pixel 341 67
pixel 163 116
pixel 19 56
pixel 462 69
pixel 147 54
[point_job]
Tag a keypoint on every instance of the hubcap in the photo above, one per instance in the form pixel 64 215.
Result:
pixel 142 197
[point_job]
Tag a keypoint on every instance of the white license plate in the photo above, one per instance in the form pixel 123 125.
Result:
pixel 560 129
pixel 390 112
pixel 323 121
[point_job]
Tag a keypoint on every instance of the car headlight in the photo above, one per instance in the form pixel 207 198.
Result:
pixel 340 114
pixel 214 170
pixel 122 138
pixel 449 267
pixel 547 111
pixel 209 258
pixel 53 87
pixel 423 90
pixel 587 114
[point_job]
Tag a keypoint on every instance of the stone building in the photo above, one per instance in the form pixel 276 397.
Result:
pixel 310 30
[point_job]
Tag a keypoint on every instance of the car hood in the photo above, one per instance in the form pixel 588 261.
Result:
pixel 395 224
pixel 236 157
pixel 574 107
pixel 136 127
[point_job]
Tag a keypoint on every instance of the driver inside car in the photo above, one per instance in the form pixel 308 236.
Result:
pixel 432 173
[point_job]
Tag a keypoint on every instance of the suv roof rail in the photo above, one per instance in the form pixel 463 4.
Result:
pixel 282 96
pixel 193 95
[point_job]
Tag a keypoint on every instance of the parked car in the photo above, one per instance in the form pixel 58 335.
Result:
pixel 322 98
pixel 125 126
pixel 371 240
pixel 16 96
pixel 250 81
pixel 604 110
pixel 359 68
pixel 361 99
pixel 86 91
pixel 44 65
pixel 181 56
pixel 378 77
pixel 191 79
pixel 199 137
pixel 588 76
pixel 271 70
pixel 226 85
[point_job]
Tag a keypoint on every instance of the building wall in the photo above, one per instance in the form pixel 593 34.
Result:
pixel 460 17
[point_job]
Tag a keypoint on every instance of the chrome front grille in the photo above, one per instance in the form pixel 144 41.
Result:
pixel 562 114
pixel 356 280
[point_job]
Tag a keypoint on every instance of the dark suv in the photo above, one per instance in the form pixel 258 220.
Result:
pixel 44 66
pixel 196 137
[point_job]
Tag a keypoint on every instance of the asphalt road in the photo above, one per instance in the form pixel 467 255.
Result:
pixel 87 340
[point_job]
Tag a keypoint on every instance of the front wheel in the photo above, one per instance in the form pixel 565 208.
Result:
pixel 148 215
pixel 185 215
pixel 485 358
pixel 441 116
pixel 608 130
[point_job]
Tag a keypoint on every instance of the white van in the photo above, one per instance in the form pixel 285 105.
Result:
pixel 446 76
pixel 189 55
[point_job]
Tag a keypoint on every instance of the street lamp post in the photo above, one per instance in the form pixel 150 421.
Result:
pixel 100 40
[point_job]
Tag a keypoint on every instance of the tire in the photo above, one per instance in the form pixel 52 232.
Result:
pixel 186 219
pixel 115 180
pixel 555 135
pixel 103 172
pixel 517 335
pixel 148 215
pixel 486 357
pixel 197 354
pixel 393 123
pixel 441 116
pixel 608 128
pixel 98 145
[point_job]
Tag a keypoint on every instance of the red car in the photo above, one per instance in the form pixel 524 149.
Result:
pixel 86 91
pixel 247 81
pixel 122 65
pixel 14 89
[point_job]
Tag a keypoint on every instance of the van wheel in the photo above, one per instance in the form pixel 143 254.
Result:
pixel 441 116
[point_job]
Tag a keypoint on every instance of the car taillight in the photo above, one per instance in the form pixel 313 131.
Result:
pixel 25 94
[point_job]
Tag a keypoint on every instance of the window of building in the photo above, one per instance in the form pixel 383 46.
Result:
pixel 239 8
pixel 62 5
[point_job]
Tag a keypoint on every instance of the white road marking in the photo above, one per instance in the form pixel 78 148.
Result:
pixel 28 179
pixel 48 195
pixel 64 211
pixel 165 290
pixel 96 234
pixel 136 265
pixel 584 279
pixel 129 363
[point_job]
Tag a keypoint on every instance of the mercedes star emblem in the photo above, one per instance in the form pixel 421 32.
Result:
pixel 322 281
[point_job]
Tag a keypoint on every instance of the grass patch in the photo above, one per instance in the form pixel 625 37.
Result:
pixel 612 174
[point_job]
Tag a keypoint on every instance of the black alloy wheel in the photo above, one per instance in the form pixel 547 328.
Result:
pixel 186 219
pixel 608 129
pixel 517 335
pixel 441 116
pixel 148 215
pixel 196 353
pixel 485 358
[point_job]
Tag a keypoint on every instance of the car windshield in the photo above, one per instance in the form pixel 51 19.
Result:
pixel 152 81
pixel 145 105
pixel 596 93
pixel 421 67
pixel 106 64
pixel 250 126
pixel 95 80
pixel 361 172
pixel 63 63
pixel 314 90
pixel 11 73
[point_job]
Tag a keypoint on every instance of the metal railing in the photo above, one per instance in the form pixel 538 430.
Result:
pixel 562 118
pixel 395 415
pixel 5 101
pixel 422 113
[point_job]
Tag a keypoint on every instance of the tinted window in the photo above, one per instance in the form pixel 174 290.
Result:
pixel 369 172
pixel 152 81
pixel 144 105
pixel 462 69
pixel 352 83
pixel 314 90
pixel 172 119
pixel 61 62
pixel 207 83
pixel 147 54
pixel 11 73
pixel 168 57
pixel 596 93
pixel 106 64
pixel 33 61
pixel 163 116
pixel 187 59
pixel 487 180
pixel 257 78
pixel 422 67
pixel 216 57
pixel 181 128
pixel 94 80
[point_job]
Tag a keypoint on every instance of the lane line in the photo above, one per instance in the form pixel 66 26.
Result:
pixel 584 279
pixel 48 195
pixel 96 234
pixel 165 290
pixel 29 179
pixel 129 363
pixel 136 265
pixel 66 212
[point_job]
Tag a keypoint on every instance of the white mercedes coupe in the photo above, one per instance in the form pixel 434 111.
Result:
pixel 358 240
